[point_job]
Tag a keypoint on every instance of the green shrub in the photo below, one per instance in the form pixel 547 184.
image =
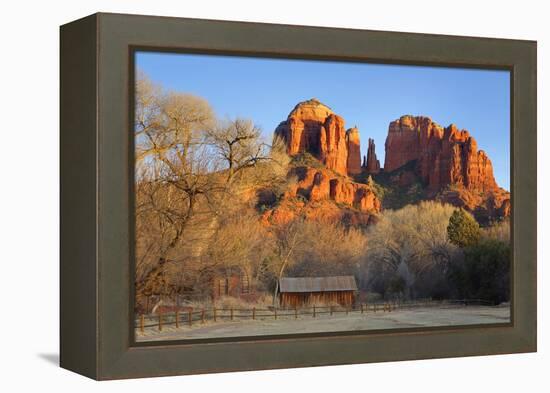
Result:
pixel 463 230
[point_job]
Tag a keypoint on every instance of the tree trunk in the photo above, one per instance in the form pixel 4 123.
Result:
pixel 275 300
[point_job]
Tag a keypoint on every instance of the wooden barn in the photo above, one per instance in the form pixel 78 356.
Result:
pixel 305 291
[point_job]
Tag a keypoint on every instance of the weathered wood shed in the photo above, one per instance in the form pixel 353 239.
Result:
pixel 303 291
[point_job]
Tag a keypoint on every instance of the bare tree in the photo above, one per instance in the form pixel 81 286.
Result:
pixel 287 238
pixel 237 143
pixel 173 173
pixel 328 248
pixel 240 242
pixel 246 159
pixel 194 175
pixel 411 241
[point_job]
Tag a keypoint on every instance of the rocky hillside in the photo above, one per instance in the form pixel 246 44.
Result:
pixel 423 161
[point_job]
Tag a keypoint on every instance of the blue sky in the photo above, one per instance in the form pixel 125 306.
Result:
pixel 369 96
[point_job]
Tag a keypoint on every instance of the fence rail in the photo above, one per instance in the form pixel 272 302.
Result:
pixel 191 316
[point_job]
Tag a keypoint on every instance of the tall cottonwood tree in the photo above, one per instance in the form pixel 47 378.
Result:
pixel 193 172
pixel 172 171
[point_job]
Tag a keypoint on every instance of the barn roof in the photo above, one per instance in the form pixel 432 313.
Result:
pixel 317 284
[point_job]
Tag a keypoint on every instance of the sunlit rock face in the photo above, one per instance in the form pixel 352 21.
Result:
pixel 312 127
pixel 444 156
pixel 354 151
pixel 448 163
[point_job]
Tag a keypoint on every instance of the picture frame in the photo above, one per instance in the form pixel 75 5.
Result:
pixel 96 294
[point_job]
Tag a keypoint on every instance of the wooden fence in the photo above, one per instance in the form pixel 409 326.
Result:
pixel 191 317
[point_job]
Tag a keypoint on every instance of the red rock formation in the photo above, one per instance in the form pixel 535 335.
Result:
pixel 448 162
pixel 407 140
pixel 320 184
pixel 323 195
pixel 354 151
pixel 312 127
pixel 357 195
pixel 445 160
pixel 371 164
pixel 334 153
pixel 301 131
pixel 443 156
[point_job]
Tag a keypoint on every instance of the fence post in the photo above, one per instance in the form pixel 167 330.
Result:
pixel 361 308
pixel 202 316
pixel 141 323
pixel 275 313
pixel 214 312
pixel 313 311
pixel 374 307
pixel 160 320
pixel 190 317
pixel 347 310
pixel 295 312
pixel 177 319
pixel 253 312
pixel 231 313
pixel 331 311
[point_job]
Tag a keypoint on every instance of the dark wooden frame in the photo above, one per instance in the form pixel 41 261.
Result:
pixel 96 202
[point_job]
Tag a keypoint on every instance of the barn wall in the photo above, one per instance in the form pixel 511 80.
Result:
pixel 300 299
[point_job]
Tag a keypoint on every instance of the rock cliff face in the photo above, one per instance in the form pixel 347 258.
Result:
pixel 312 127
pixel 354 151
pixel 444 156
pixel 448 163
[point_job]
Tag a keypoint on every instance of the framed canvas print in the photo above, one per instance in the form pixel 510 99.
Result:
pixel 240 196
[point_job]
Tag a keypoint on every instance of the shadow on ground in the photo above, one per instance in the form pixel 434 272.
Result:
pixel 52 358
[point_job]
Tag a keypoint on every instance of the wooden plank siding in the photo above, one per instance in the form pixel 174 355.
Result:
pixel 300 299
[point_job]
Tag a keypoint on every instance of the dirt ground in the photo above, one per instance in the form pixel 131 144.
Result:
pixel 402 318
